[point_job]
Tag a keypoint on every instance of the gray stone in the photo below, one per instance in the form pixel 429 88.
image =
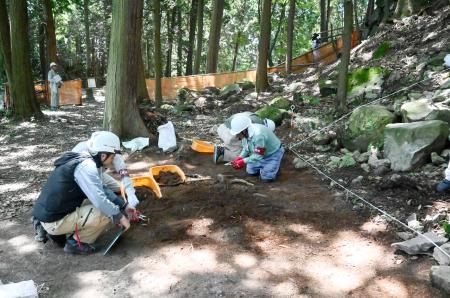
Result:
pixel 229 90
pixel 419 245
pixel 395 177
pixel 425 109
pixel 213 129
pixel 441 96
pixel 365 167
pixel 408 145
pixel 321 139
pixel 440 277
pixel 300 164
pixel 357 180
pixel 445 84
pixel 405 235
pixel 356 154
pixel 365 126
pixel 440 257
pixel 374 162
pixel 363 157
pixel 445 153
pixel 436 159
pixel 344 151
pixel 381 170
pixel 322 148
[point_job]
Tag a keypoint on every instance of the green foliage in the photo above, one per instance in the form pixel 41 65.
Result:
pixel 381 50
pixel 270 112
pixel 312 100
pixel 363 75
pixel 280 103
pixel 342 162
pixel 446 226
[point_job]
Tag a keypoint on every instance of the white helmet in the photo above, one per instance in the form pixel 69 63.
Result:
pixel 269 124
pixel 239 123
pixel 53 64
pixel 103 141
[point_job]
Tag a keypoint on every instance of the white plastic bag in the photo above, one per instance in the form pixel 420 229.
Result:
pixel 167 140
pixel 447 60
pixel 136 144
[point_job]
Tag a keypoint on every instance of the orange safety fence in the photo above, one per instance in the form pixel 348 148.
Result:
pixel 69 93
pixel 325 54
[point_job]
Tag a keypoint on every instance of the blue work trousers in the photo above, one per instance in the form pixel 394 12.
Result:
pixel 268 166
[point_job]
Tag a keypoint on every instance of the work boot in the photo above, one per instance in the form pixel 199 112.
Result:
pixel 41 233
pixel 219 151
pixel 72 247
pixel 60 240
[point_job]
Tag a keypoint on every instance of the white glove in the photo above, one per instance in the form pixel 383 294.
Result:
pixel 132 199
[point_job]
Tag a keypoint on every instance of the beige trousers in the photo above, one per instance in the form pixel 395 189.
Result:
pixel 90 221
pixel 233 146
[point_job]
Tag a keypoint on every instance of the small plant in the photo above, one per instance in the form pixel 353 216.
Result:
pixel 446 226
pixel 342 162
pixel 381 51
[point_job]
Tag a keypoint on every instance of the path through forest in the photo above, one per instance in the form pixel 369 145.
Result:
pixel 291 238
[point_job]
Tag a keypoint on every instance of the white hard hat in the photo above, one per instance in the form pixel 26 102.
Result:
pixel 239 123
pixel 53 64
pixel 103 141
pixel 269 124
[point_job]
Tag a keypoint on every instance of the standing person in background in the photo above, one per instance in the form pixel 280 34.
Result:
pixel 315 43
pixel 55 82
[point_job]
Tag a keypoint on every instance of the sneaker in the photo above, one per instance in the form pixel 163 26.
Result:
pixel 442 186
pixel 219 151
pixel 72 247
pixel 41 233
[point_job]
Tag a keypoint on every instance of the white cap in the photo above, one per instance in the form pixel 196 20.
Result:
pixel 53 64
pixel 103 141
pixel 269 124
pixel 239 123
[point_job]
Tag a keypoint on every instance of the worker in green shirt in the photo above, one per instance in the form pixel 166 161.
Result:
pixel 262 151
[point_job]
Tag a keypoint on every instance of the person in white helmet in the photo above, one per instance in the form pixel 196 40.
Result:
pixel 232 146
pixel 62 208
pixel 262 151
pixel 120 167
pixel 55 82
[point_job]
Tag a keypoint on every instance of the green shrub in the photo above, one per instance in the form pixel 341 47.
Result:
pixel 381 51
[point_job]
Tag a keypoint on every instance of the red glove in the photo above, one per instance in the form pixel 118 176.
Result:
pixel 238 163
pixel 133 214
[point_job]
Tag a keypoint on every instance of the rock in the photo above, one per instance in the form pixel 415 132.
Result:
pixel 300 164
pixel 356 154
pixel 441 95
pixel 445 84
pixel 445 153
pixel 211 90
pixel 365 126
pixel 344 151
pixel 280 103
pixel 327 87
pixel 395 177
pixel 246 85
pixel 307 124
pixel 419 245
pixel 440 277
pixel 381 170
pixel 321 139
pixel 408 145
pixel 405 235
pixel 357 180
pixel 213 129
pixel 167 107
pixel 365 81
pixel 365 167
pixel 436 159
pixel 200 102
pixel 322 148
pixel 425 109
pixel 294 87
pixel 440 257
pixel 272 113
pixel 229 90
pixel 23 289
pixel 398 105
pixel 374 162
pixel 363 157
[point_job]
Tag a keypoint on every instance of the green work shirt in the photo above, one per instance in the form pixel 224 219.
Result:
pixel 261 142
pixel 254 117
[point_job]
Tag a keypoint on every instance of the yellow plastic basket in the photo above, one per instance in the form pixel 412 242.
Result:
pixel 154 171
pixel 202 146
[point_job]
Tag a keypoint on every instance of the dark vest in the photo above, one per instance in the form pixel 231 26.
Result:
pixel 61 195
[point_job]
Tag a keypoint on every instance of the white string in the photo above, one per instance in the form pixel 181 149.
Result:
pixel 348 191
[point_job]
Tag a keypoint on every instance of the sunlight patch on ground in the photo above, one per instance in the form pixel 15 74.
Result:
pixel 386 288
pixel 306 231
pixel 253 284
pixel 139 166
pixel 12 186
pixel 277 264
pixel 245 260
pixel 285 289
pixel 200 227
pixel 23 244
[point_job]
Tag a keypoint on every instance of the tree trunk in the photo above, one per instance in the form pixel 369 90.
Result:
pixel 157 42
pixel 214 36
pixel 369 12
pixel 198 53
pixel 263 47
pixel 280 23
pixel 24 100
pixel 142 86
pixel 89 91
pixel 121 111
pixel 51 37
pixel 191 42
pixel 341 98
pixel 236 50
pixel 42 52
pixel 355 10
pixel 179 42
pixel 326 39
pixel 403 9
pixel 290 35
pixel 386 11
pixel 170 25
pixel 5 40
pixel 323 20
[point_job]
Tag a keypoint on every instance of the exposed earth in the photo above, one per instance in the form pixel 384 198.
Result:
pixel 214 237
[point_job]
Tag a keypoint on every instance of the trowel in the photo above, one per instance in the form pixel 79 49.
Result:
pixel 114 240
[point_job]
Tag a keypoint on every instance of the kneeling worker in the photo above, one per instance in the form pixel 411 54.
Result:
pixel 62 207
pixel 262 151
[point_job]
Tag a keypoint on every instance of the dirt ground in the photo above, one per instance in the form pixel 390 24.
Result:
pixel 295 237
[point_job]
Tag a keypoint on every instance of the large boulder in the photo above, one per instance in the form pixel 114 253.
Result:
pixel 280 103
pixel 425 109
pixel 365 81
pixel 229 90
pixel 365 126
pixel 440 277
pixel 272 113
pixel 408 145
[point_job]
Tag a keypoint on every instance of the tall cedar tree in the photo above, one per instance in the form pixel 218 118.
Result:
pixel 121 111
pixel 214 36
pixel 179 42
pixel 170 25
pixel 274 41
pixel 198 52
pixel 158 56
pixel 5 40
pixel 263 47
pixel 22 89
pixel 341 98
pixel 191 42
pixel 323 20
pixel 290 35
pixel 50 32
pixel 89 91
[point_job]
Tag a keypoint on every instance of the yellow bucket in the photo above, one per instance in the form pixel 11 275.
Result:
pixel 202 146
pixel 147 181
pixel 154 171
